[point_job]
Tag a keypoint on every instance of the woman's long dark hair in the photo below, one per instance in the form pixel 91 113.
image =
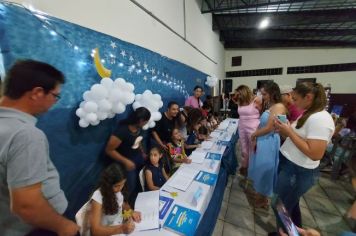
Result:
pixel 194 117
pixel 140 114
pixel 113 174
pixel 319 101
pixel 274 93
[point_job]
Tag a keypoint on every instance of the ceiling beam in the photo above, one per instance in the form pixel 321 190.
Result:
pixel 228 5
pixel 287 43
pixel 280 19
pixel 255 34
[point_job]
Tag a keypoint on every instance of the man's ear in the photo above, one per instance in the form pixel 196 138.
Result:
pixel 37 93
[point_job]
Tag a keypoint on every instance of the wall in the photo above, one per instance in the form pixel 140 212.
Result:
pixel 78 153
pixel 129 22
pixel 341 82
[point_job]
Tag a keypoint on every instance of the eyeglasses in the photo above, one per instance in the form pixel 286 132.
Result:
pixel 57 96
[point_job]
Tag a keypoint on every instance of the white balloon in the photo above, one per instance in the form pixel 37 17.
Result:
pixel 119 82
pixel 156 115
pixel 146 126
pixel 152 124
pixel 83 123
pixel 156 97
pixel 118 108
pixel 91 117
pixel 131 87
pixel 111 115
pixel 104 105
pixel 87 96
pixel 80 112
pixel 90 107
pixel 115 95
pixel 81 105
pixel 94 123
pixel 136 105
pixel 98 92
pixel 102 115
pixel 130 98
pixel 138 97
pixel 107 83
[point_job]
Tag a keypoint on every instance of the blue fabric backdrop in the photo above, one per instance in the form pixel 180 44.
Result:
pixel 76 152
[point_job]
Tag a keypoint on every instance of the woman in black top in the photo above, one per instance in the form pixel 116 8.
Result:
pixel 125 147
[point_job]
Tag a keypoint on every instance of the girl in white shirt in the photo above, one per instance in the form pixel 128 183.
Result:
pixel 107 204
pixel 305 145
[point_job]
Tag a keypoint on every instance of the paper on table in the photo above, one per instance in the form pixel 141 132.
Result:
pixel 215 134
pixel 198 156
pixel 207 144
pixel 182 178
pixel 149 212
pixel 211 166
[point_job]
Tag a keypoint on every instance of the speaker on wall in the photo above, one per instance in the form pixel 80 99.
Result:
pixel 227 86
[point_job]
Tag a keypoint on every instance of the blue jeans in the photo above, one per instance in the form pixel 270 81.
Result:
pixel 292 182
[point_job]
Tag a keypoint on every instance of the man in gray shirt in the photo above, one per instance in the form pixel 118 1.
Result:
pixel 30 194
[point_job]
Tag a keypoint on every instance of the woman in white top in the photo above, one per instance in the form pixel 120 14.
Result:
pixel 107 205
pixel 305 145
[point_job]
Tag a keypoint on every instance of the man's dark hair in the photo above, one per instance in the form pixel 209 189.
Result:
pixel 197 87
pixel 26 75
pixel 172 103
pixel 208 97
pixel 135 117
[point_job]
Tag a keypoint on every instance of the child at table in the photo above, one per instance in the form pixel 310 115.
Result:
pixel 155 173
pixel 192 141
pixel 176 149
pixel 108 202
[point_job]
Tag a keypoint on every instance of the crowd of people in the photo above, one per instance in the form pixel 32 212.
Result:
pixel 32 202
pixel 283 135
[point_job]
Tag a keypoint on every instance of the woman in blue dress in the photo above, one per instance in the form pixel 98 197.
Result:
pixel 263 163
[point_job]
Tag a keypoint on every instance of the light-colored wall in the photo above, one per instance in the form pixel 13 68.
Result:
pixel 341 82
pixel 127 21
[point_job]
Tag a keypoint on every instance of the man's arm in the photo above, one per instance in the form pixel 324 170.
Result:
pixel 29 204
pixel 158 140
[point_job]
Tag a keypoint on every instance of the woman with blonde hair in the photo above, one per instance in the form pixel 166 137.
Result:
pixel 249 111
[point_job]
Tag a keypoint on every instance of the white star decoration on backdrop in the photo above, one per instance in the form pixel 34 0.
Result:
pixel 134 66
pixel 113 44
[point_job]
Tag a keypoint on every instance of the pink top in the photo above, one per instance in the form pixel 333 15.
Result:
pixel 193 102
pixel 249 115
pixel 293 113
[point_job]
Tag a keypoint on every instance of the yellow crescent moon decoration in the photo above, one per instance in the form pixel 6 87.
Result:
pixel 102 71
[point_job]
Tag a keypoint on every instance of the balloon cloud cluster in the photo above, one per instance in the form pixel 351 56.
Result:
pixel 153 102
pixel 105 100
pixel 211 81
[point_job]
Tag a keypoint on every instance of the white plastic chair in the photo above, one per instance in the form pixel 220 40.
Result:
pixel 82 219
pixel 141 176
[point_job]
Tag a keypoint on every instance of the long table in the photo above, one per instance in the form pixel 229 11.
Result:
pixel 213 195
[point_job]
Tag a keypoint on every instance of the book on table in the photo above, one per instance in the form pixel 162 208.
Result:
pixel 198 156
pixel 164 204
pixel 182 220
pixel 206 178
pixel 149 212
pixel 182 179
pixel 214 156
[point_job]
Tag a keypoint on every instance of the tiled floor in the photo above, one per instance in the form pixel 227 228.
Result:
pixel 323 208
